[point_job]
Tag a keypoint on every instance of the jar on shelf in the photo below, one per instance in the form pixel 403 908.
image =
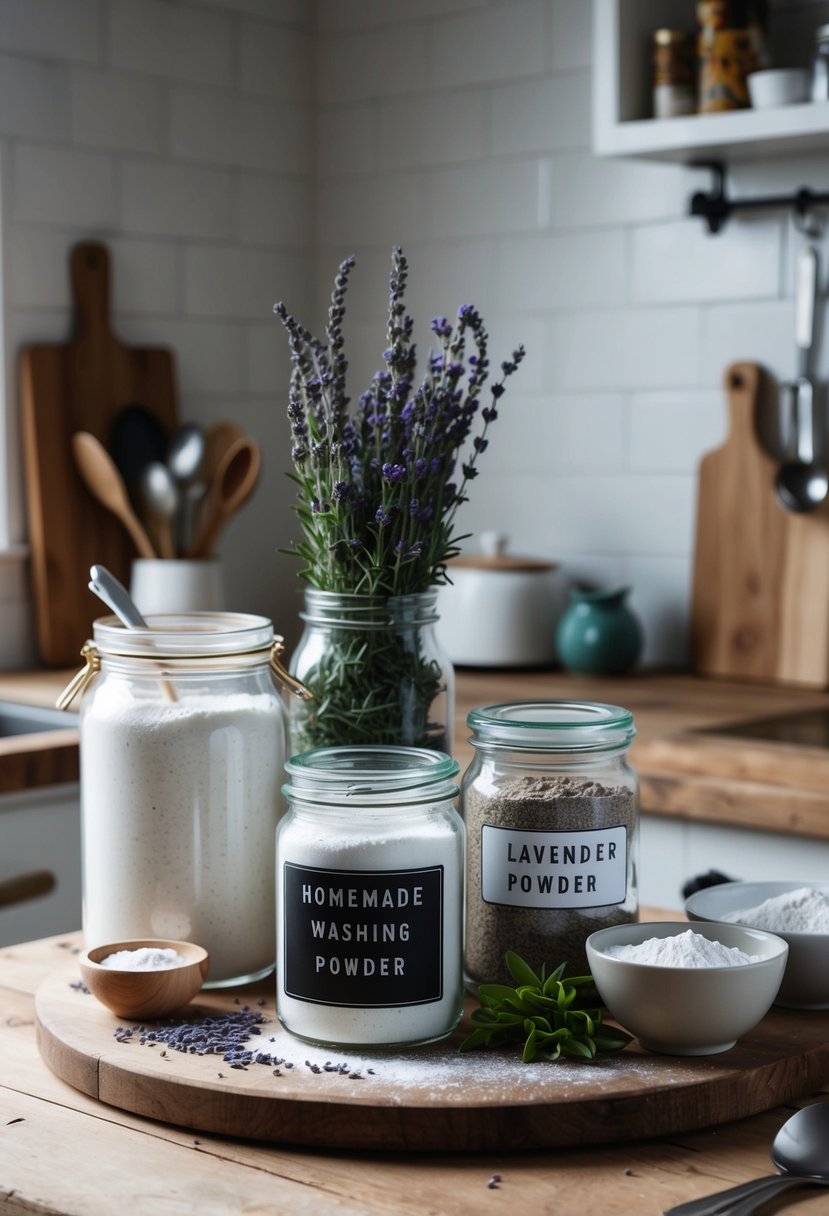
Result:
pixel 674 73
pixel 369 861
pixel 182 750
pixel 730 46
pixel 551 811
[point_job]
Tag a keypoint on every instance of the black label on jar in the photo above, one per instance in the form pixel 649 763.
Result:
pixel 363 938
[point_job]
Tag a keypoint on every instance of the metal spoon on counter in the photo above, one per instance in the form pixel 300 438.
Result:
pixel 103 480
pixel 234 481
pixel 800 1150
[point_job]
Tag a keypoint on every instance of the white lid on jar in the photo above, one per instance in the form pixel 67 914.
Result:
pixel 185 635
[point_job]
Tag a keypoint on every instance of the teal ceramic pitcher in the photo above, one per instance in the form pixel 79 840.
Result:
pixel 599 634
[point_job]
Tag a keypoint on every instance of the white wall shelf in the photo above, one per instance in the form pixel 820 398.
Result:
pixel 622 34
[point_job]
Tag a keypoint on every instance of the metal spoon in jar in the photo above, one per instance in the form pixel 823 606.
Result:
pixel 112 592
pixel 800 1150
pixel 158 492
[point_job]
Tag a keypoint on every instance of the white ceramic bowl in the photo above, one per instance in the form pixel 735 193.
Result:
pixel 687 1011
pixel 806 982
pixel 778 87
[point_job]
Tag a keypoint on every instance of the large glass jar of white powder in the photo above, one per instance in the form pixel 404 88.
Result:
pixel 551 811
pixel 369 862
pixel 182 748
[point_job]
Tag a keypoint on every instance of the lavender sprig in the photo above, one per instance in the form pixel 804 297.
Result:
pixel 379 488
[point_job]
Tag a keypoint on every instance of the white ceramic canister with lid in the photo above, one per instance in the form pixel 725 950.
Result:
pixel 500 610
pixel 182 750
pixel 369 861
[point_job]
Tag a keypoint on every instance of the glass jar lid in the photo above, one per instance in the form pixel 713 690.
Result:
pixel 376 774
pixel 185 635
pixel 552 726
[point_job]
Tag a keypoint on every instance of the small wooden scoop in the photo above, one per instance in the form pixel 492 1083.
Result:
pixel 104 482
pixel 235 479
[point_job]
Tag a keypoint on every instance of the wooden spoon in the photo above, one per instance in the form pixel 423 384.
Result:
pixel 99 472
pixel 218 438
pixel 235 478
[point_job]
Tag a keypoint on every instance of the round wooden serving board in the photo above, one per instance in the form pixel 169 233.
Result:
pixel 429 1098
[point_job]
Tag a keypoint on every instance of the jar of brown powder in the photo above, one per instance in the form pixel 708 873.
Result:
pixel 551 811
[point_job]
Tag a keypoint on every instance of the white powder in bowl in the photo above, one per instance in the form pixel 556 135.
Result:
pixel 687 949
pixel 146 958
pixel 803 910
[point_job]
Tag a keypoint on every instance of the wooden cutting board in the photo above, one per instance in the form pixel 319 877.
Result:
pixel 430 1098
pixel 80 386
pixel 760 605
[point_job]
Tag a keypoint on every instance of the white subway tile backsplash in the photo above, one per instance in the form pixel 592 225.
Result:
pixel 488 199
pixel 51 29
pixel 226 281
pixel 269 362
pixel 671 431
pixel 444 128
pixel 345 142
pixel 682 261
pixel 545 114
pixel 335 16
pixel 661 597
pixel 276 62
pixel 211 356
pixel 572 31
pixel 555 433
pixel 171 40
pixel 173 200
pixel 288 12
pixel 625 348
pixel 246 131
pixel 63 186
pixel 378 63
pixel 275 211
pixel 122 112
pixel 34 99
pixel 762 332
pixel 498 44
pixel 37 268
pixel 384 210
pixel 145 276
pixel 568 271
pixel 600 190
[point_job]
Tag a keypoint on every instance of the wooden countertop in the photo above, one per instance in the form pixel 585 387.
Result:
pixel 773 787
pixel 62 1152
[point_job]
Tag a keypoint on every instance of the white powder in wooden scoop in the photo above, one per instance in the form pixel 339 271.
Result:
pixel 146 958
pixel 687 949
pixel 803 910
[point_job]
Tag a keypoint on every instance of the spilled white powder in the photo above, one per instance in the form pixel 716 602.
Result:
pixel 803 910
pixel 146 958
pixel 687 949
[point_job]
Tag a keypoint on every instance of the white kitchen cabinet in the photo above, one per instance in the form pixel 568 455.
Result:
pixel 673 850
pixel 622 122
pixel 40 829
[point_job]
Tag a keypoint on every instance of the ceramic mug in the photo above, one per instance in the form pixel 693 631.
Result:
pixel 177 585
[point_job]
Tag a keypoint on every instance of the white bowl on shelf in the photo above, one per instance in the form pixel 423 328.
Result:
pixel 774 87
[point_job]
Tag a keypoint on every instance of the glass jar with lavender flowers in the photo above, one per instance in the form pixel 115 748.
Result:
pixel 379 487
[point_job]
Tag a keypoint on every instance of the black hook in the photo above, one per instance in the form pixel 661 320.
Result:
pixel 715 207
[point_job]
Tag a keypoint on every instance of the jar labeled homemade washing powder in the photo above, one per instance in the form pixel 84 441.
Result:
pixel 551 812
pixel 369 861
pixel 182 746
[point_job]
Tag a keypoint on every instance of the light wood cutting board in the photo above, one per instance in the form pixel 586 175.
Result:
pixel 430 1098
pixel 80 386
pixel 760 605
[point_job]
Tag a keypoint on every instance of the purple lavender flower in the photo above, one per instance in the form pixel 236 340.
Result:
pixel 393 472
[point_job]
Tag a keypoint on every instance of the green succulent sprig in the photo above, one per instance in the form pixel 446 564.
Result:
pixel 542 1012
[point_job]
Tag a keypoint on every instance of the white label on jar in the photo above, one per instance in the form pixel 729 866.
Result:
pixel 524 869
